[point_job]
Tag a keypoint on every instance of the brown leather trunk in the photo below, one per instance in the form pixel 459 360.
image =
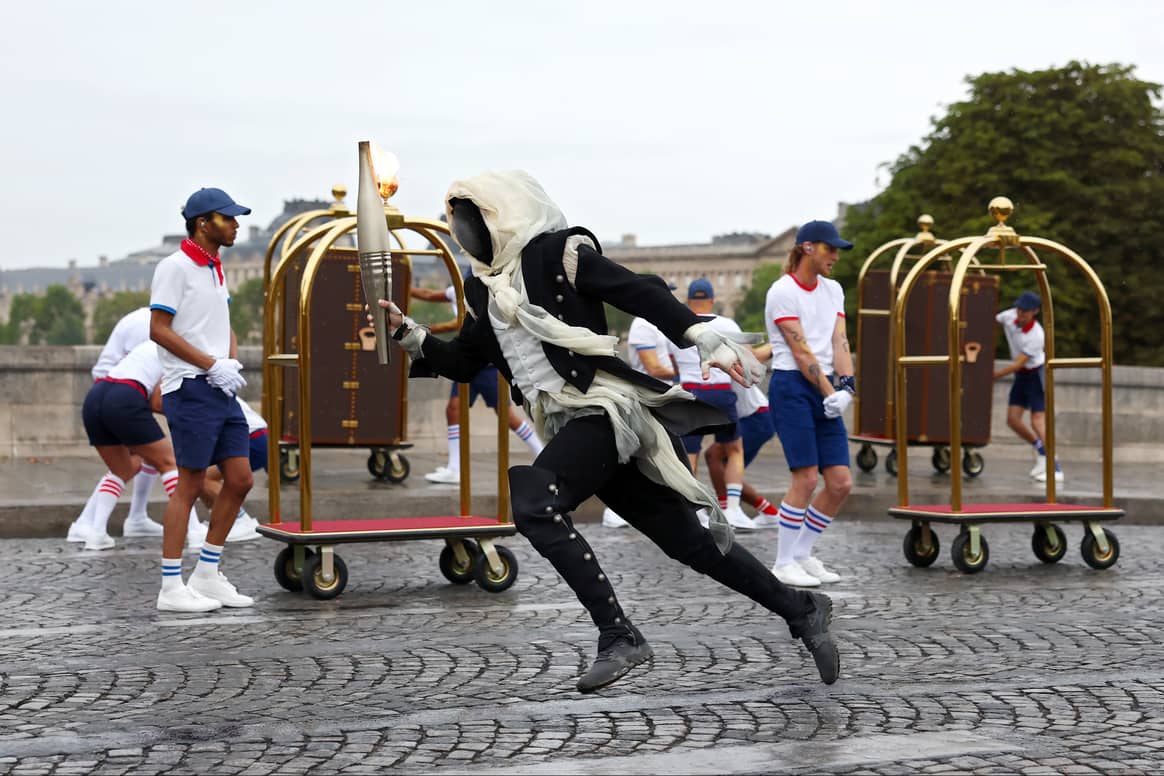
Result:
pixel 927 388
pixel 355 401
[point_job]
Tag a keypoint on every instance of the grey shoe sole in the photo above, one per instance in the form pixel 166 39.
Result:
pixel 607 672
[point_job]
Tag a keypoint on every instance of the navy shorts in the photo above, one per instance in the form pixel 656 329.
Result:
pixel 807 436
pixel 484 384
pixel 206 425
pixel 723 399
pixel 756 429
pixel 119 414
pixel 1027 391
pixel 259 450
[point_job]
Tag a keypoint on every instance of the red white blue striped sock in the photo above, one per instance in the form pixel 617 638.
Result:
pixel 454 464
pixel 764 506
pixel 170 482
pixel 526 434
pixel 787 532
pixel 815 522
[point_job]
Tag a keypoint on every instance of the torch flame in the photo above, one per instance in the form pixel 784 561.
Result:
pixel 385 165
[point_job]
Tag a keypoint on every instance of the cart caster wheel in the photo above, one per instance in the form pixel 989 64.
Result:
pixel 918 554
pixel 963 560
pixel 941 459
pixel 388 468
pixel 314 582
pixel 455 573
pixel 867 458
pixel 288 465
pixel 972 463
pixel 1092 555
pixel 891 463
pixel 1043 547
pixel 495 583
pixel 285 573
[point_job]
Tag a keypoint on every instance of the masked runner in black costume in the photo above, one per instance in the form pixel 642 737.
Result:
pixel 535 310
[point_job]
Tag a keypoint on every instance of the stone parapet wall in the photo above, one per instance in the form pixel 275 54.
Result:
pixel 42 388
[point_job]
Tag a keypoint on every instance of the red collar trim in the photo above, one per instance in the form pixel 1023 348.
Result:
pixel 201 257
pixel 806 288
pixel 1028 327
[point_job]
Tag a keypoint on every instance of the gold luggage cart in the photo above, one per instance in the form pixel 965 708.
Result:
pixel 321 258
pixel 925 315
pixel 970 550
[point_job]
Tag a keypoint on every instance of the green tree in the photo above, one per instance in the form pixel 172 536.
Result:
pixel 246 312
pixel 57 318
pixel 22 316
pixel 111 309
pixel 1080 151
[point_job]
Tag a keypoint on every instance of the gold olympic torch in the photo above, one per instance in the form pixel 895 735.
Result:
pixel 377 183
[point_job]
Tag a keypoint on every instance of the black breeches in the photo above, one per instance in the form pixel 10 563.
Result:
pixel 582 461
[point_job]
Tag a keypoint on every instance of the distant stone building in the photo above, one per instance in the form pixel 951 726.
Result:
pixel 728 261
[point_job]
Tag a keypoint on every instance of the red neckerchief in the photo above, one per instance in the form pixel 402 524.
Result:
pixel 202 258
pixel 1028 327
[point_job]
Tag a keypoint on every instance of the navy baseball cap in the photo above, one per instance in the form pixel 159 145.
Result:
pixel 822 231
pixel 205 201
pixel 700 288
pixel 1028 300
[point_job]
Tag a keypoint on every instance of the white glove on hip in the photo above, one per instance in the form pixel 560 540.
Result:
pixel 226 375
pixel 836 403
pixel 725 349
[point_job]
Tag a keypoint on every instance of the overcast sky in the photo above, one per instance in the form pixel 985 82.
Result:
pixel 672 120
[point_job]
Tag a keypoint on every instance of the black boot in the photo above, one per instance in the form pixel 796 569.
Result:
pixel 813 630
pixel 615 661
pixel 808 614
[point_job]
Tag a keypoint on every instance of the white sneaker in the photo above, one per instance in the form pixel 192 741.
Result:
pixel 141 526
pixel 739 521
pixel 1040 468
pixel 99 541
pixel 1042 476
pixel 611 519
pixel 219 588
pixel 817 569
pixel 196 536
pixel 243 529
pixel 444 476
pixel 762 520
pixel 793 575
pixel 182 599
pixel 78 532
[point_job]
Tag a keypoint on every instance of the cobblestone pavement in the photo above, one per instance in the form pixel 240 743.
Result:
pixel 1023 668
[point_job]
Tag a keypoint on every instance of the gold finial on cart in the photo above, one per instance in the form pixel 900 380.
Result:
pixel 1001 208
pixel 339 207
pixel 925 222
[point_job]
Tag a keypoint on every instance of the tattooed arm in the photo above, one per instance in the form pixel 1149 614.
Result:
pixel 805 359
pixel 842 357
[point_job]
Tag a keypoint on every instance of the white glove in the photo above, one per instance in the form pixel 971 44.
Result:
pixel 226 375
pixel 836 403
pixel 414 333
pixel 726 349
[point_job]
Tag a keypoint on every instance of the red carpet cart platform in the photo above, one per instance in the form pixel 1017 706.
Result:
pixel 1010 252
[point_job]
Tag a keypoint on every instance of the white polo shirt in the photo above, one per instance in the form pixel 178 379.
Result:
pixel 192 287
pixel 644 335
pixel 687 359
pixel 255 422
pixel 816 308
pixel 132 330
pixel 1026 341
pixel 749 401
pixel 141 365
